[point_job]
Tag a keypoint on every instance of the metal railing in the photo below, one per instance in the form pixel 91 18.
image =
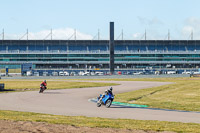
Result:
pixel 96 52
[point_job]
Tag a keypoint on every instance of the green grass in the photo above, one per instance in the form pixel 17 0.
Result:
pixel 182 94
pixel 81 121
pixel 11 70
pixel 24 85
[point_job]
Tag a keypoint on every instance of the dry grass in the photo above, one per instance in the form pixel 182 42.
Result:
pixel 184 94
pixel 81 121
pixel 22 85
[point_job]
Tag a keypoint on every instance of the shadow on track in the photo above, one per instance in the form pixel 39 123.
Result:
pixel 115 106
pixel 7 90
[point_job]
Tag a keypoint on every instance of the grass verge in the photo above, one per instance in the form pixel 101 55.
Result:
pixel 81 121
pixel 184 94
pixel 25 85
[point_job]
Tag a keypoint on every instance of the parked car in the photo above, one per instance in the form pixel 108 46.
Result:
pixel 36 74
pixel 128 73
pixel 186 72
pixel 81 73
pixel 73 74
pixel 196 72
pixel 29 73
pixel 66 74
pixel 92 73
pixel 45 74
pixel 119 73
pixel 137 73
pixel 157 72
pixel 171 72
pixel 61 73
pixel 54 73
pixel 99 73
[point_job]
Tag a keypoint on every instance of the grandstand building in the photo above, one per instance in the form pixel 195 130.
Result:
pixel 81 55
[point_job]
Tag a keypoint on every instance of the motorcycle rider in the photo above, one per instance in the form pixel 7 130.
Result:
pixel 110 91
pixel 106 93
pixel 103 95
pixel 43 85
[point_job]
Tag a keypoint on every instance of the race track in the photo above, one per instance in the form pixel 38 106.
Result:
pixel 74 102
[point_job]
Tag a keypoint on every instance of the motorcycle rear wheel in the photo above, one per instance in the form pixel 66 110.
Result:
pixel 98 104
pixel 41 90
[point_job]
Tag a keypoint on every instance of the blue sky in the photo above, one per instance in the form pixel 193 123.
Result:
pixel 87 16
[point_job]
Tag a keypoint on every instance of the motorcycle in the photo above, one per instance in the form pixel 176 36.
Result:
pixel 105 100
pixel 42 88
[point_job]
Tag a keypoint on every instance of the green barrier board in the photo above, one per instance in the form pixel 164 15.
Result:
pixel 130 105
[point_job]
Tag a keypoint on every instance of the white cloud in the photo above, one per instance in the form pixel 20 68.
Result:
pixel 63 34
pixel 187 30
pixel 137 36
pixel 154 29
pixel 191 24
pixel 149 22
pixel 150 35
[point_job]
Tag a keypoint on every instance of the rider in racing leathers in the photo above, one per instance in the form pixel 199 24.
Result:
pixel 103 95
pixel 43 84
pixel 106 93
pixel 110 91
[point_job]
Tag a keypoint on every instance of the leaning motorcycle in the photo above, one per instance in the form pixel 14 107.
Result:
pixel 105 100
pixel 42 88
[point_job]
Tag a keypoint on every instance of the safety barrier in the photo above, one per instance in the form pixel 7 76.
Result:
pixel 1 86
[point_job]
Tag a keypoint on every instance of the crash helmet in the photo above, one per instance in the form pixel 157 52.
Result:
pixel 106 91
pixel 45 81
pixel 111 88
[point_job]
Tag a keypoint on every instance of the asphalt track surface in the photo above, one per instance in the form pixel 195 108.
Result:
pixel 75 102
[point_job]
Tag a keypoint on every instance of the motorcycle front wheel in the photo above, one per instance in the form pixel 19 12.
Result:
pixel 108 103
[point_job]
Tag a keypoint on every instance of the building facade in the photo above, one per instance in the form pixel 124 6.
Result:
pixel 129 55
